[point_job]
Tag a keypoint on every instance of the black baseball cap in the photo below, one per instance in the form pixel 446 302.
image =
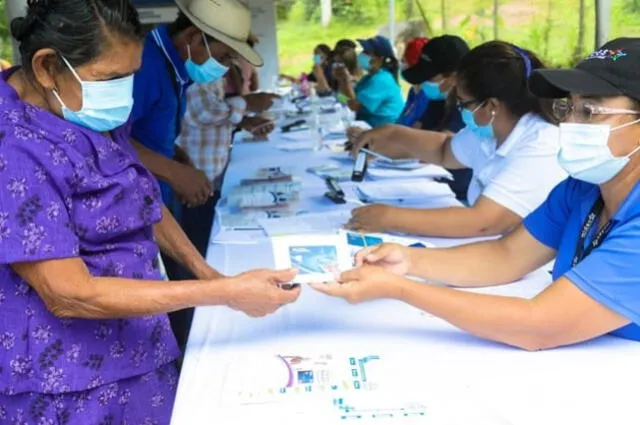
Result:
pixel 440 55
pixel 611 70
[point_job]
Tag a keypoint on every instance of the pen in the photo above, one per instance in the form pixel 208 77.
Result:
pixel 376 154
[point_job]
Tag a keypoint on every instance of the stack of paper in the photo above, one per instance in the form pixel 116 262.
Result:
pixel 402 190
pixel 269 175
pixel 425 171
pixel 264 195
pixel 331 169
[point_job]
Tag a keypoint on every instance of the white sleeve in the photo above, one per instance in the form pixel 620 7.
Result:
pixel 528 177
pixel 465 146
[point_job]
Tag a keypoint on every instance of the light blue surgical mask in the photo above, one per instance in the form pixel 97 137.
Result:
pixel 432 91
pixel 317 59
pixel 364 61
pixel 211 70
pixel 585 155
pixel 483 132
pixel 106 105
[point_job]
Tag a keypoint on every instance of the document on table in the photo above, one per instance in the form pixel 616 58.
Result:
pixel 318 258
pixel 402 190
pixel 328 388
pixel 326 222
pixel 427 171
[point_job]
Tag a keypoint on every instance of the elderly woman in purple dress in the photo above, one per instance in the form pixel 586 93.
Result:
pixel 84 337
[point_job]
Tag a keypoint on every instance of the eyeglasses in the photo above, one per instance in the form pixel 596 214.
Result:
pixel 465 104
pixel 563 109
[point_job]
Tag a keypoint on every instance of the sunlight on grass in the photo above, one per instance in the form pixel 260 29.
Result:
pixel 553 34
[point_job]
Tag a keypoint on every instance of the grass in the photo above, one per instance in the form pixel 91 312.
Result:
pixel 553 35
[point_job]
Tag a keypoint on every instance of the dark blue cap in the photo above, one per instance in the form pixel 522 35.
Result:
pixel 378 45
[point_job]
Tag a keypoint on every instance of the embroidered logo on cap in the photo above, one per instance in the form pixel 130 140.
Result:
pixel 605 54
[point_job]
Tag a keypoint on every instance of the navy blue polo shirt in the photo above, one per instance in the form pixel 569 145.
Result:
pixel 610 274
pixel 157 105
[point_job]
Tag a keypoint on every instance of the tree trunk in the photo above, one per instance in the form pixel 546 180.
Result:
pixel 577 56
pixel 443 14
pixel 496 18
pixel 325 12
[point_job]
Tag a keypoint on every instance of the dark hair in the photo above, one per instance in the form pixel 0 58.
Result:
pixel 75 29
pixel 350 60
pixel 345 43
pixel 181 23
pixel 324 49
pixel 501 70
pixel 391 64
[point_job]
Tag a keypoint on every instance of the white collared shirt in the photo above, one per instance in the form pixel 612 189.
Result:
pixel 519 174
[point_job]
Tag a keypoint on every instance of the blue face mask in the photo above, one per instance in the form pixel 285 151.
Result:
pixel 106 105
pixel 432 91
pixel 364 61
pixel 317 59
pixel 483 132
pixel 211 70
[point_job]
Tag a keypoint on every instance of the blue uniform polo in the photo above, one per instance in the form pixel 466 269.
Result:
pixel 610 274
pixel 380 97
pixel 158 94
pixel 414 108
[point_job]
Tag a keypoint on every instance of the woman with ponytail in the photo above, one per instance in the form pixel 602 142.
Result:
pixel 509 141
pixel 377 98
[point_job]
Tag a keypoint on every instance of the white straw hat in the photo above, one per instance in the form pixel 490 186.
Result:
pixel 228 21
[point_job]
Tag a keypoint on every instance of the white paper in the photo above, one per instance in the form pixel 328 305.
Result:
pixel 326 222
pixel 264 194
pixel 296 146
pixel 425 171
pixel 402 190
pixel 318 258
pixel 296 136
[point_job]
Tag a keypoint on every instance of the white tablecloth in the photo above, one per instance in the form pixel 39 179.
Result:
pixel 591 383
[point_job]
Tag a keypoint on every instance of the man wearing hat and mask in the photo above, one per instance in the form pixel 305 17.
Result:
pixel 197 47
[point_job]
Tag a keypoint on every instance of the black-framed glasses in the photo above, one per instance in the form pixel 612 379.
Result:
pixel 467 103
pixel 564 109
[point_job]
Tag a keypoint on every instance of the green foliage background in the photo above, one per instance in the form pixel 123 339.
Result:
pixel 548 27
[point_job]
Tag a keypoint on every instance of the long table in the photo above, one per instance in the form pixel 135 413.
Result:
pixel 590 383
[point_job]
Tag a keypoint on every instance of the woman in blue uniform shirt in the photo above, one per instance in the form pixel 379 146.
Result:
pixel 590 224
pixel 377 98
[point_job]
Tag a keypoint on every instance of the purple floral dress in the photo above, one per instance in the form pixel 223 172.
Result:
pixel 66 191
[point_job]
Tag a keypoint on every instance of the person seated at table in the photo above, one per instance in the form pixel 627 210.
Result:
pixel 376 98
pixel 84 335
pixel 321 71
pixel 510 142
pixel 416 103
pixel 345 57
pixel 590 225
pixel 321 74
pixel 433 75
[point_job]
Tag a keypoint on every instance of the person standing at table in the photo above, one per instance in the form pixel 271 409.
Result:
pixel 376 98
pixel 590 225
pixel 206 135
pixel 197 46
pixel 242 77
pixel 84 336
pixel 510 142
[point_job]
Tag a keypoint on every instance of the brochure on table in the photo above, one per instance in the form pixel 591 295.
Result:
pixel 321 258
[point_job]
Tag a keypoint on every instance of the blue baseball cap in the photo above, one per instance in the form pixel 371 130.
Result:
pixel 378 45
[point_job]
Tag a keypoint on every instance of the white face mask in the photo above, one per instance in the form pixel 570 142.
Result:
pixel 585 154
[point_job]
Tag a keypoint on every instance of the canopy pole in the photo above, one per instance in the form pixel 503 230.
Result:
pixel 603 21
pixel 392 21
